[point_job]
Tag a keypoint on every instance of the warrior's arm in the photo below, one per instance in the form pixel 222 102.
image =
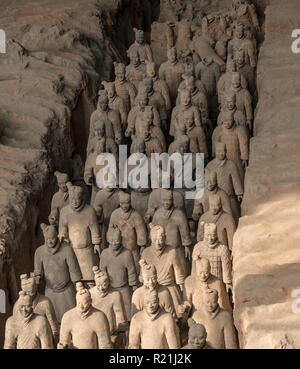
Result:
pixel 134 334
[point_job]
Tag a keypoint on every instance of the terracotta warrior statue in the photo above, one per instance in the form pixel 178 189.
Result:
pixel 217 254
pixel 116 103
pixel 155 203
pixel 109 116
pixel 196 134
pixel 118 263
pixel 228 178
pixel 148 276
pixel 41 305
pixel 78 225
pixel 236 140
pixel 124 88
pixel 153 328
pixel 229 104
pixel 225 81
pixel 174 222
pixel 201 205
pixel 177 113
pixel 243 99
pixel 139 193
pixel 145 134
pixel 244 12
pixel 171 72
pixel 218 322
pixel 106 201
pixel 159 85
pixel 26 329
pixel 136 70
pixel 168 263
pixel 240 41
pixel 197 337
pixel 102 145
pixel 246 70
pixel 77 176
pixel 61 197
pixel 131 225
pixel 141 46
pixel 56 264
pixel 208 71
pixel 156 100
pixel 84 327
pixel 195 286
pixel 136 114
pixel 225 223
pixel 110 301
pixel 198 95
pixel 8 284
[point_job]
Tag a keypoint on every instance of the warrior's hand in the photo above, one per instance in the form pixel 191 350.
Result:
pixel 128 133
pixel 97 250
pixel 240 198
pixel 228 287
pixel 187 252
pixel 147 218
pixel 61 346
pixel 244 163
pixel 89 180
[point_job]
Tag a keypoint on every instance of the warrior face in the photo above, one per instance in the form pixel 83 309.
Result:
pixel 25 306
pixel 140 37
pixel 62 185
pixel 236 80
pixel 239 31
pixel 125 204
pixel 150 280
pixel 215 205
pixel 172 55
pixel 99 131
pixel 210 235
pixel 135 59
pixel 228 121
pixel 210 181
pixel 120 74
pixel 148 83
pixel 220 152
pixel 185 98
pixel 150 69
pixel 188 119
pixel 151 304
pixel 197 337
pixel 158 238
pixel 203 269
pixel 83 302
pixel 111 90
pixel 76 200
pixel 167 201
pixel 51 238
pixel 103 103
pixel 102 284
pixel 210 301
pixel 142 102
pixel 116 241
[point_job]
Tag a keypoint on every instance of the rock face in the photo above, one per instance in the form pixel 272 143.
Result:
pixel 266 267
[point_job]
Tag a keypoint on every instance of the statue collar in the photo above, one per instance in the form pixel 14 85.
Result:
pixel 214 245
pixel 84 315
pixel 80 208
pixel 221 163
pixel 153 316
pixel 53 250
pixel 212 315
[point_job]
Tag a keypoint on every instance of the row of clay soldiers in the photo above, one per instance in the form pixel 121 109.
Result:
pixel 119 311
pixel 107 249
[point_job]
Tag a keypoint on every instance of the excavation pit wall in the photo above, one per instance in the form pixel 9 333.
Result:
pixel 266 256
